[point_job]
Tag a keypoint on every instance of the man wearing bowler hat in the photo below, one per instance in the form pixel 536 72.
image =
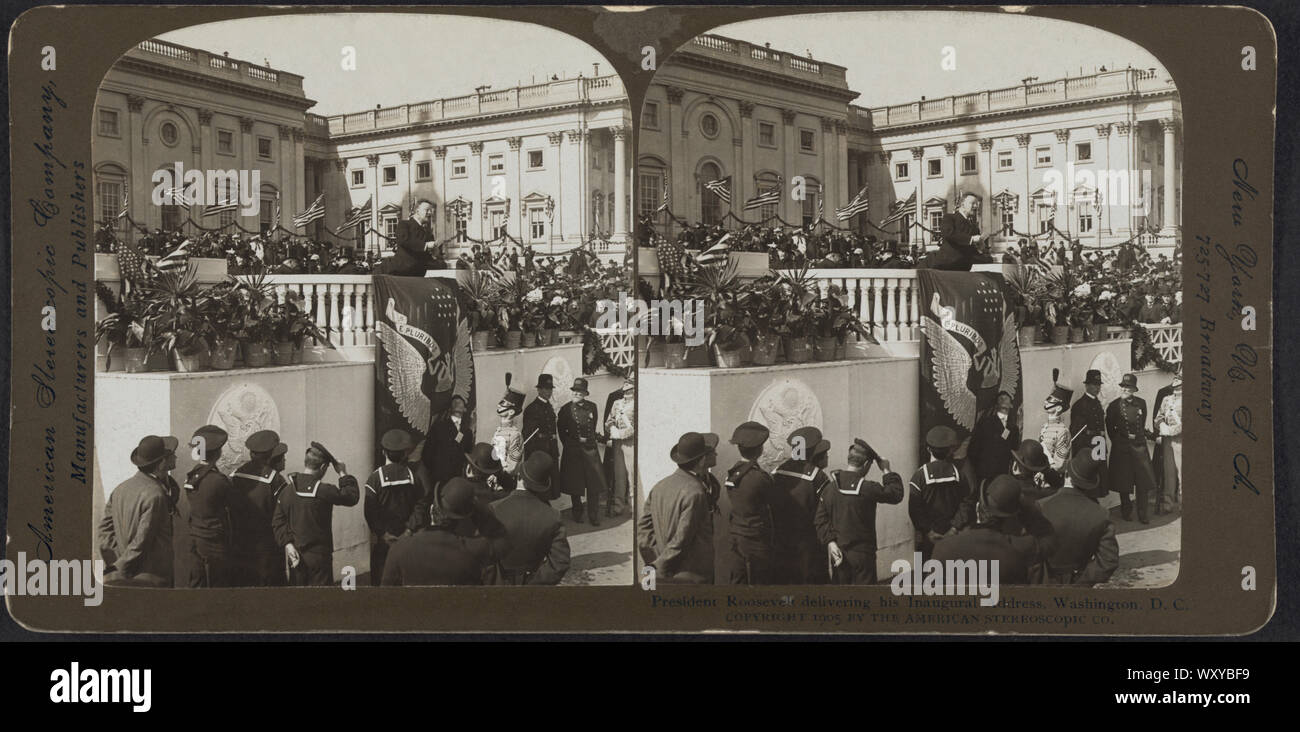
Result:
pixel 539 428
pixel 846 515
pixel 437 554
pixel 1016 539
pixel 580 467
pixel 939 501
pixel 750 489
pixel 391 493
pixel 800 481
pixel 304 517
pixel 1086 551
pixel 1031 468
pixel 535 550
pixel 675 529
pixel 135 535
pixel 256 559
pixel 209 494
pixel 1130 463
pixel 481 465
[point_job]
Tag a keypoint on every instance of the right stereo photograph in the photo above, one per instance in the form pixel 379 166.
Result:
pixel 910 303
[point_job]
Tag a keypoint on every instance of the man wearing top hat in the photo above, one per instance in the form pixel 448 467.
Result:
pixel 620 429
pixel 1088 416
pixel 256 559
pixel 799 482
pixel 209 494
pixel 1004 532
pixel 535 551
pixel 1086 552
pixel 580 467
pixel 938 493
pixel 135 534
pixel 304 517
pixel 750 489
pixel 391 493
pixel 675 528
pixel 539 428
pixel 846 515
pixel 1130 463
pixel 438 554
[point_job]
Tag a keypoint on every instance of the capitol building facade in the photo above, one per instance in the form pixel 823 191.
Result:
pixel 1095 157
pixel 544 164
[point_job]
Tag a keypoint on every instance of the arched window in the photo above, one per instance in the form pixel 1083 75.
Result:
pixel 110 194
pixel 768 182
pixel 710 203
pixel 172 214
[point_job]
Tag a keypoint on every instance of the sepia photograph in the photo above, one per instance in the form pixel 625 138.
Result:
pixel 942 305
pixel 347 269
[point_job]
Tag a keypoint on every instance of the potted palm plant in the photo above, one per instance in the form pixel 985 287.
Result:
pixel 480 297
pixel 795 322
pixel 125 330
pixel 176 305
pixel 252 322
pixel 1028 289
pixel 722 292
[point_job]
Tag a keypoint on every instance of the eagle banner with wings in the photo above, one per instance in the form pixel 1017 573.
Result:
pixel 969 353
pixel 422 354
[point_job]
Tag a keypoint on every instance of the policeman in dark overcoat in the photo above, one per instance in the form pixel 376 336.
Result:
pixel 581 472
pixel 750 489
pixel 800 481
pixel 535 551
pixel 391 493
pixel 846 515
pixel 257 559
pixel 1130 463
pixel 209 493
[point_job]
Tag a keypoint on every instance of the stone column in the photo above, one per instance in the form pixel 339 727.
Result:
pixel 476 169
pixel 827 151
pixel 745 166
pixel 404 174
pixel 298 182
pixel 791 140
pixel 845 191
pixel 1103 194
pixel 247 158
pixel 679 176
pixel 1022 141
pixel 337 203
pixel 556 223
pixel 140 185
pixel 440 196
pixel 1169 225
pixel 286 168
pixel 371 240
pixel 917 218
pixel 1066 201
pixel 987 223
pixel 620 184
pixel 1133 179
pixel 950 150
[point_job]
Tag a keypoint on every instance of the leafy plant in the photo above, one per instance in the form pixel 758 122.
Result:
pixel 174 306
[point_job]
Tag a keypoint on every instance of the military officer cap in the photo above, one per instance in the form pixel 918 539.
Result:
pixel 750 434
pixel 1093 377
pixel 266 441
pixel 396 440
pixel 941 436
pixel 329 457
pixel 862 445
pixel 1130 381
pixel 545 381
pixel 1002 498
pixel 579 387
pixel 214 438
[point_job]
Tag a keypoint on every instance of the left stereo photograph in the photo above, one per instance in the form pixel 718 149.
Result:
pixel 348 276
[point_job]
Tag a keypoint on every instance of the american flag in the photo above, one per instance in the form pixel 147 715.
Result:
pixel 275 212
pixel 357 216
pixel 666 199
pixel 721 188
pixel 669 253
pixel 860 204
pixel 177 260
pixel 314 212
pixel 130 262
pixel 126 204
pixel 769 197
pixel 821 208
pixel 716 254
pixel 229 204
pixel 176 197
pixel 900 211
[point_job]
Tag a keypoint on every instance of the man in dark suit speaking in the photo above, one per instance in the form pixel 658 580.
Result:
pixel 416 250
pixel 961 239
